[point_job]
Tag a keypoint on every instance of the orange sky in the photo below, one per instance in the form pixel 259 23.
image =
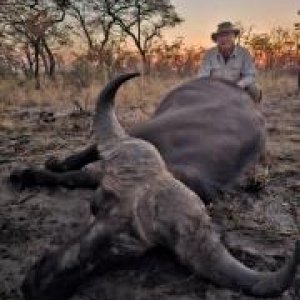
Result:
pixel 201 16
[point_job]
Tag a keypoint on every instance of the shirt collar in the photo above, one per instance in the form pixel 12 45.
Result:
pixel 233 54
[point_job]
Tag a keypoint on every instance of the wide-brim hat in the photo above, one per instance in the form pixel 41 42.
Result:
pixel 225 27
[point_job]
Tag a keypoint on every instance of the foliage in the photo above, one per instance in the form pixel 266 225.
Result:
pixel 114 36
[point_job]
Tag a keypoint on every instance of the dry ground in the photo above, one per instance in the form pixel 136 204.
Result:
pixel 259 227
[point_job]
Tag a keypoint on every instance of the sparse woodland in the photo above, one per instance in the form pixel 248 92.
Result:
pixel 97 38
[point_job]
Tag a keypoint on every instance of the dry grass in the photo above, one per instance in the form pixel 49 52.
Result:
pixel 24 132
pixel 274 84
pixel 136 100
pixel 61 94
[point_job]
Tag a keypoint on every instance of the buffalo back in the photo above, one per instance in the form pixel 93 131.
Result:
pixel 207 131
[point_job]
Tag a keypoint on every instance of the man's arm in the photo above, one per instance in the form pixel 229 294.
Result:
pixel 247 71
pixel 205 68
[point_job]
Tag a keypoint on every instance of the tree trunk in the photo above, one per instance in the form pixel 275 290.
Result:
pixel 45 62
pixel 28 70
pixel 145 63
pixel 52 63
pixel 36 46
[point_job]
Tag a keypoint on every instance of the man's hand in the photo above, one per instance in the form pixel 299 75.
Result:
pixel 241 84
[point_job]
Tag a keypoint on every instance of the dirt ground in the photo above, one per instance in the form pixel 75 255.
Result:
pixel 259 227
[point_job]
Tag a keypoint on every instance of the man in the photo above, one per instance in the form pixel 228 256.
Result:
pixel 230 61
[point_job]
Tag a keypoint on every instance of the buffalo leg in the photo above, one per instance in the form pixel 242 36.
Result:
pixel 104 245
pixel 30 177
pixel 73 162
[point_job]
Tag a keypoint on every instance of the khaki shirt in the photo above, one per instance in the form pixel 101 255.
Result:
pixel 239 67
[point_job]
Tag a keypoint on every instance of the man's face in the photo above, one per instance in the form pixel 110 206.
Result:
pixel 225 41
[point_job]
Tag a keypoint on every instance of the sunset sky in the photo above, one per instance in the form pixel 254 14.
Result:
pixel 201 16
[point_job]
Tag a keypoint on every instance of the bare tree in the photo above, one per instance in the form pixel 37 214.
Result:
pixel 143 21
pixel 245 33
pixel 28 24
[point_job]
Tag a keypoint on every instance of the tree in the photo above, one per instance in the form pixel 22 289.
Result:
pixel 143 21
pixel 245 33
pixel 29 25
pixel 99 30
pixel 274 49
pixel 93 20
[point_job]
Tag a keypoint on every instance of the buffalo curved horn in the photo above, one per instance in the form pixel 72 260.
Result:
pixel 255 283
pixel 106 124
pixel 226 271
pixel 187 231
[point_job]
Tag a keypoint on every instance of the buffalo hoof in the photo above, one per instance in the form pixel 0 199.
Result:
pixel 22 178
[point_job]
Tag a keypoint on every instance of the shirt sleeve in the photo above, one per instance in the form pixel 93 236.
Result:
pixel 205 68
pixel 247 71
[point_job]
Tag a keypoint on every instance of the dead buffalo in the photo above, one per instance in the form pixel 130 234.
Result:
pixel 206 130
pixel 139 205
